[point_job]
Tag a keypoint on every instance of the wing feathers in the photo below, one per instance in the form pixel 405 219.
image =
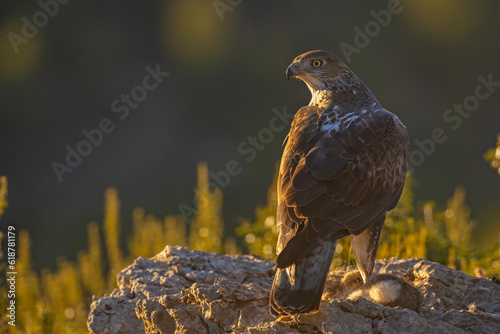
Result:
pixel 338 173
pixel 323 164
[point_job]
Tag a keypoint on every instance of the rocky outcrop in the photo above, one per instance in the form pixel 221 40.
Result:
pixel 184 291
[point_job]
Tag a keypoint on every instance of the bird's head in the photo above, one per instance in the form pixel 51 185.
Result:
pixel 318 69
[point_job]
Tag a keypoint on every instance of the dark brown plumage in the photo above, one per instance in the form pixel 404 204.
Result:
pixel 343 168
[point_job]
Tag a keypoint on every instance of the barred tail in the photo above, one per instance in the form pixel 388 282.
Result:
pixel 299 287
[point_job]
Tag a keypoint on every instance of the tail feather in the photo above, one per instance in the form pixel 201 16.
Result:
pixel 299 287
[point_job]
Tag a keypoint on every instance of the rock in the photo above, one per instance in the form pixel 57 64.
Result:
pixel 184 291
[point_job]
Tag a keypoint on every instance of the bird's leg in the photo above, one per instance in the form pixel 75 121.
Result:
pixel 365 246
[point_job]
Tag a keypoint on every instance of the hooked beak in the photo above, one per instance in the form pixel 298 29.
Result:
pixel 292 70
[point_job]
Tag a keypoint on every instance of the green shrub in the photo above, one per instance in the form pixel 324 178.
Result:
pixel 58 301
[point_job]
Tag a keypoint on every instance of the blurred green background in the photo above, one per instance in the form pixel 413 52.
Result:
pixel 227 73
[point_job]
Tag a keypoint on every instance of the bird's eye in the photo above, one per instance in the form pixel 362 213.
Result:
pixel 316 63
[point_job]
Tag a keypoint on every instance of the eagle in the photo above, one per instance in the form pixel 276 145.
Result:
pixel 343 168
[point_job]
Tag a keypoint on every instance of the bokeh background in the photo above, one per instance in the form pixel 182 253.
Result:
pixel 227 73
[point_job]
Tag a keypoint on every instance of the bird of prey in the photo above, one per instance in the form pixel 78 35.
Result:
pixel 343 168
